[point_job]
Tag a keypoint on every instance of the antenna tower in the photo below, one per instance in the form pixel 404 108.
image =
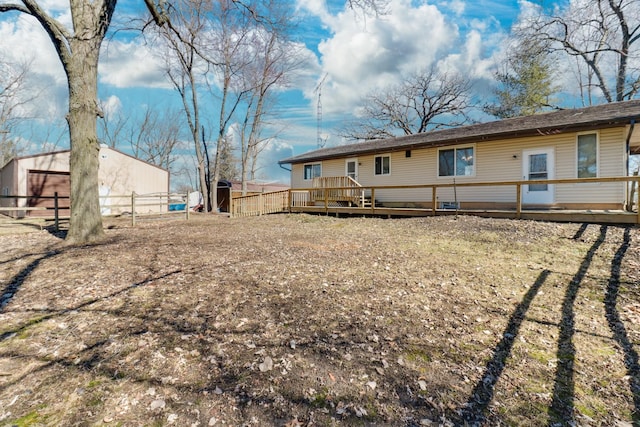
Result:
pixel 318 89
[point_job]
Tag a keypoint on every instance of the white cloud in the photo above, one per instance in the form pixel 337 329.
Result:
pixel 269 169
pixel 363 55
pixel 131 64
pixel 24 41
pixel 111 106
pixel 456 6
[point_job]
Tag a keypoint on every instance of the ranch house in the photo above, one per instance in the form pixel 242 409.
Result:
pixel 574 159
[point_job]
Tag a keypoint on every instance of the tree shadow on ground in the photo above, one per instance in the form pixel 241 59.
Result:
pixel 33 265
pixel 14 285
pixel 474 410
pixel 617 326
pixel 580 231
pixel 561 410
pixel 562 406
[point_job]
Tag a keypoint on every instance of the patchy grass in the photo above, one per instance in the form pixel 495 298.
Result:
pixel 311 320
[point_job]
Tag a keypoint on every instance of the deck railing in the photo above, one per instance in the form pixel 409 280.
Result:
pixel 334 193
pixel 336 189
pixel 260 204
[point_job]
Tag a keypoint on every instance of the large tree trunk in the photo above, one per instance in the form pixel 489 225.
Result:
pixel 82 71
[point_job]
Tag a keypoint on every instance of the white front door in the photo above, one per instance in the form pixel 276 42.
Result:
pixel 352 169
pixel 538 165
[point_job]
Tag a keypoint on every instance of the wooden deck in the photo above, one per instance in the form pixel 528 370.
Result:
pixel 554 215
pixel 348 198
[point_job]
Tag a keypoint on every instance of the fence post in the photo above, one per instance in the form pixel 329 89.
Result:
pixel 186 206
pixel 56 217
pixel 434 199
pixel 260 204
pixel 518 200
pixel 133 208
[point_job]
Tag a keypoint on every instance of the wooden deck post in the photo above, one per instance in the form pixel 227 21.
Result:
pixel 326 201
pixel 373 201
pixel 433 200
pixel 56 224
pixel 518 200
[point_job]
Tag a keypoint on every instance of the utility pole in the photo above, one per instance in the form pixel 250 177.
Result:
pixel 318 90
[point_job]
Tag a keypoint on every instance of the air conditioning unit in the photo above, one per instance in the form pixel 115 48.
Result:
pixel 450 205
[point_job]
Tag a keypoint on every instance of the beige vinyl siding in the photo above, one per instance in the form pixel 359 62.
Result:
pixel 611 155
pixel 494 161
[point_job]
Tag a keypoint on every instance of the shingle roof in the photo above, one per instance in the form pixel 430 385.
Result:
pixel 570 120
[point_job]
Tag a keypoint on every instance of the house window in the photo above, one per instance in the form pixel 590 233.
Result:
pixel 312 171
pixel 588 155
pixel 382 164
pixel 456 162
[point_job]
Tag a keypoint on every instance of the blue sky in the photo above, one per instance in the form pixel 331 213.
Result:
pixel 357 53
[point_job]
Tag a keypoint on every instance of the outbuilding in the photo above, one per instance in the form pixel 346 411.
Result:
pixel 36 178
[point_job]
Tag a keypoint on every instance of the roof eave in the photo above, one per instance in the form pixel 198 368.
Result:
pixel 521 133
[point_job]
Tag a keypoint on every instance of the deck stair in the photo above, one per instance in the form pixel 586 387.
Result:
pixel 338 190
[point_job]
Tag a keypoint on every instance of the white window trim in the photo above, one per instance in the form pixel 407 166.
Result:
pixel 597 134
pixel 304 177
pixel 374 165
pixel 457 147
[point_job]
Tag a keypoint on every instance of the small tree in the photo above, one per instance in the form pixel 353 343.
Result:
pixel 525 85
pixel 421 102
pixel 228 164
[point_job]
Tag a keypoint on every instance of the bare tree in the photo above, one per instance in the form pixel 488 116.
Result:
pixel 421 102
pixel 156 137
pixel 184 68
pixel 12 98
pixel 111 128
pixel 208 46
pixel 603 36
pixel 79 49
pixel 274 58
pixel 229 44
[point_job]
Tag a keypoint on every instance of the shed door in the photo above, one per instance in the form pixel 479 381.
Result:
pixel 41 184
pixel 538 165
pixel 352 169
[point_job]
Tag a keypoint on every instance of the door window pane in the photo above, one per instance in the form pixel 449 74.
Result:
pixel 351 169
pixel 538 170
pixel 587 156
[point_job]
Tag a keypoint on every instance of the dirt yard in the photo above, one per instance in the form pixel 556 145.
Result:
pixel 298 320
